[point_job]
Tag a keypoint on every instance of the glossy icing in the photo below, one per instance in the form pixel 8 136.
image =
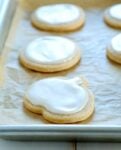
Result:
pixel 50 49
pixel 58 13
pixel 116 43
pixel 58 95
pixel 115 11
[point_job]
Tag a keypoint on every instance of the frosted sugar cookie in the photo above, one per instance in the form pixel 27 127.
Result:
pixel 114 49
pixel 112 16
pixel 60 100
pixel 50 54
pixel 58 17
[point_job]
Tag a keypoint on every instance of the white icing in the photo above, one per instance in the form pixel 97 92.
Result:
pixel 77 80
pixel 50 49
pixel 58 14
pixel 58 95
pixel 116 43
pixel 115 11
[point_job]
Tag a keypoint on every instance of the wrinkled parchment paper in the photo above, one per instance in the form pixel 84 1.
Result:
pixel 103 75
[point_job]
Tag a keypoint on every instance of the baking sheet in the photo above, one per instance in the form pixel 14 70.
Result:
pixel 104 76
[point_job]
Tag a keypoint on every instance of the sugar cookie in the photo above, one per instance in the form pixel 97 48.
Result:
pixel 112 16
pixel 58 17
pixel 60 100
pixel 50 54
pixel 114 49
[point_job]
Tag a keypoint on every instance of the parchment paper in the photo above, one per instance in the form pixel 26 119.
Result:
pixel 103 75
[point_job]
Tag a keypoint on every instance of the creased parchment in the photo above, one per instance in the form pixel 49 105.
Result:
pixel 104 76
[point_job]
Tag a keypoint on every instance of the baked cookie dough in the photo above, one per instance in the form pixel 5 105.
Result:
pixel 58 17
pixel 50 54
pixel 60 100
pixel 112 16
pixel 114 49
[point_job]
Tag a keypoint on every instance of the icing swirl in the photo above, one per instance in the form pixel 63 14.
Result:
pixel 116 43
pixel 58 95
pixel 115 11
pixel 57 14
pixel 50 49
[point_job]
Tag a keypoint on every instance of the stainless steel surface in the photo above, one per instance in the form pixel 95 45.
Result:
pixel 56 132
pixel 7 8
pixel 62 132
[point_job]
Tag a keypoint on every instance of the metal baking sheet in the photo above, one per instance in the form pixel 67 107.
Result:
pixel 104 77
pixel 7 9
